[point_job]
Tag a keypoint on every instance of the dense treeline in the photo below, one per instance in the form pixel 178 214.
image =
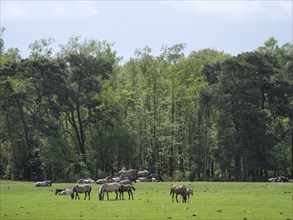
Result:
pixel 206 116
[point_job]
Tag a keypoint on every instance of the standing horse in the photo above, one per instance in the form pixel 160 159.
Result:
pixel 126 188
pixel 86 189
pixel 189 193
pixel 108 187
pixel 178 189
pixel 127 174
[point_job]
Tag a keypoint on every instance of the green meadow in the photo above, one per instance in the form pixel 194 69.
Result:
pixel 211 200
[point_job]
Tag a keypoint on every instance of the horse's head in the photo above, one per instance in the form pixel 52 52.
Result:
pixel 184 197
pixel 72 195
pixel 100 196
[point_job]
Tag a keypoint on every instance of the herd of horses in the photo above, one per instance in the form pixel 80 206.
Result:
pixel 121 184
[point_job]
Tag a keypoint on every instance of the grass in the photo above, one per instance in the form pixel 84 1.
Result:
pixel 244 201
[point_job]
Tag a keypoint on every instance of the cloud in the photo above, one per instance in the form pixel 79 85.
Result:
pixel 16 10
pixel 236 10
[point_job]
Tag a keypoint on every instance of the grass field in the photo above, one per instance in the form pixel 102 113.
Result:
pixel 211 200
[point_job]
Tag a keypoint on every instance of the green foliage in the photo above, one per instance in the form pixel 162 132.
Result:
pixel 209 115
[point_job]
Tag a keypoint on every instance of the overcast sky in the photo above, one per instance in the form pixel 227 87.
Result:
pixel 232 26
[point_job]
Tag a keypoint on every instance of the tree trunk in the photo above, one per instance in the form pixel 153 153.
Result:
pixel 291 120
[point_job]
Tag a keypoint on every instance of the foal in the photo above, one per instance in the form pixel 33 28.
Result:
pixel 126 188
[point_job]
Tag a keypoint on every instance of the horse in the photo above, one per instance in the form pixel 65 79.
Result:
pixel 108 179
pixel 188 193
pixel 129 181
pixel 178 189
pixel 44 183
pixel 66 192
pixel 146 179
pixel 58 191
pixel 124 174
pixel 157 177
pixel 143 173
pixel 86 189
pixel 108 187
pixel 85 181
pixel 126 188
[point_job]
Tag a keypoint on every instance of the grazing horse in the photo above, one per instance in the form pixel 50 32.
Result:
pixel 178 189
pixel 126 188
pixel 44 183
pixel 86 189
pixel 108 187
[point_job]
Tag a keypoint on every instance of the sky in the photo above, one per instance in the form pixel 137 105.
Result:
pixel 232 26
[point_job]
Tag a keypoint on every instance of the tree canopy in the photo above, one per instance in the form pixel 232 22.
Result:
pixel 206 116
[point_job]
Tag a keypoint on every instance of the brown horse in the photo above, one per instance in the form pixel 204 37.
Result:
pixel 126 188
pixel 178 189
pixel 189 193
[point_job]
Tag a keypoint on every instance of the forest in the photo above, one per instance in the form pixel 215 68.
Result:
pixel 209 115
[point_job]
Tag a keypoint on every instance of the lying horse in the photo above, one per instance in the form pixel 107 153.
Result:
pixel 66 192
pixel 58 191
pixel 178 189
pixel 108 187
pixel 86 189
pixel 108 179
pixel 44 183
pixel 126 188
pixel 85 181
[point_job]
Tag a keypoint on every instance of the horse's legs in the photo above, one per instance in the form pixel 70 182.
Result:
pixel 172 197
pixel 108 195
pixel 116 194
pixel 130 193
pixel 176 197
pixel 89 194
pixel 76 195
pixel 85 194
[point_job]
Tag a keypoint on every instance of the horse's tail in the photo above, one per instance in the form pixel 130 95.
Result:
pixel 133 188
